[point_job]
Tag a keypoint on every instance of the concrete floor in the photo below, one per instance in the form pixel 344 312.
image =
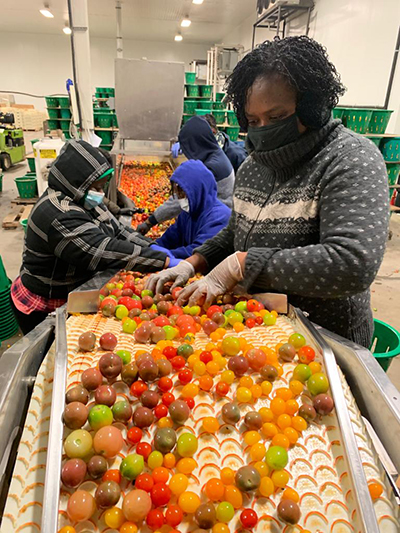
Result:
pixel 385 289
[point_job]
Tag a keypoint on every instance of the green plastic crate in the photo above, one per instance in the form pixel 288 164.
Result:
pixel 115 121
pixel 232 118
pixel 219 116
pixel 103 120
pixel 106 136
pixel 206 90
pixel 220 106
pixel 205 104
pixel 219 96
pixel 233 132
pixel 202 112
pixel 393 171
pixel 67 135
pixel 186 118
pixel 189 106
pixel 385 343
pixel 27 186
pixel 53 113
pixel 31 163
pixel 375 140
pixel 338 112
pixel 51 101
pixel 192 90
pixel 53 124
pixel 190 78
pixel 391 149
pixel 379 121
pixel 357 119
pixel 63 101
pixel 65 113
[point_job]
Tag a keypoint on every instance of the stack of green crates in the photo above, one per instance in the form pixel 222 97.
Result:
pixel 58 109
pixel 105 92
pixel 8 323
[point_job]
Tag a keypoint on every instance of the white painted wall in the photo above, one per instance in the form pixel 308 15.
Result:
pixel 360 36
pixel 40 64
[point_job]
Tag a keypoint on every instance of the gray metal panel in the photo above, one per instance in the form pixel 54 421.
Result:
pixel 149 98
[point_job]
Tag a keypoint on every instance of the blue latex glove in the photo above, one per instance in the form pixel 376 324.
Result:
pixel 172 259
pixel 176 148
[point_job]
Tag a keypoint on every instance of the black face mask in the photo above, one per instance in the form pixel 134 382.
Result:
pixel 274 136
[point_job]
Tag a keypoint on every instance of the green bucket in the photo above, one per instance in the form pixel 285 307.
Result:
pixel 63 101
pixel 338 112
pixel 218 105
pixel 53 124
pixel 4 281
pixel 393 171
pixel 106 136
pixel 220 96
pixel 1 182
pixel 375 140
pixel 357 119
pixel 379 121
pixel 51 101
pixel 232 118
pixel 391 149
pixel 27 186
pixel 189 106
pixel 219 116
pixel 115 120
pixel 103 120
pixel 190 78
pixel 53 113
pixel 67 135
pixel 205 104
pixel 385 343
pixel 65 113
pixel 202 112
pixel 192 90
pixel 186 118
pixel 206 90
pixel 24 224
pixel 233 132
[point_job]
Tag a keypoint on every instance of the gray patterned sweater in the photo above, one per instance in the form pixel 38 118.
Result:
pixel 313 218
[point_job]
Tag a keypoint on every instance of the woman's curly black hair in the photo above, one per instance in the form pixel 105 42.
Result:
pixel 304 63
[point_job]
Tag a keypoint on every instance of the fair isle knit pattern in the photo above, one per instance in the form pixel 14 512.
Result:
pixel 312 217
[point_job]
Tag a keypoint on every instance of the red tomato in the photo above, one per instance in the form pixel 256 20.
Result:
pixel 250 323
pixel 116 292
pixel 190 402
pixel 252 305
pixel 128 302
pixel 175 310
pixel 178 362
pixel 185 375
pixel 184 320
pixel 144 482
pixel 306 354
pixel 134 435
pixel 138 388
pixel 259 320
pixel 248 518
pixel 160 411
pixel 129 285
pixel 165 384
pixel 161 321
pixel 173 515
pixel 112 475
pixel 155 519
pixel 160 494
pixel 213 309
pixel 170 352
pixel 187 328
pixel 222 388
pixel 109 301
pixel 167 398
pixel 206 357
pixel 175 292
pixel 160 474
pixel 144 449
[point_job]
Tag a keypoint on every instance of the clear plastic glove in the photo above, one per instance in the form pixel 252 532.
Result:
pixel 175 150
pixel 220 280
pixel 144 227
pixel 180 273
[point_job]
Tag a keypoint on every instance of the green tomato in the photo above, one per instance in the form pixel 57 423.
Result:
pixel 129 325
pixel 170 332
pixel 135 297
pixel 146 292
pixel 121 312
pixel 187 445
pixel 194 310
pixel 297 340
pixel 225 512
pixel 318 384
pixel 231 346
pixel 229 312
pixel 132 466
pixel 302 373
pixel 186 310
pixel 155 459
pixel 235 317
pixel 101 297
pixel 185 350
pixel 122 411
pixel 241 307
pixel 110 286
pixel 120 286
pixel 269 320
pixel 78 444
pixel 100 416
pixel 277 457
pixel 125 355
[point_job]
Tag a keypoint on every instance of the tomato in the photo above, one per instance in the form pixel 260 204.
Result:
pixel 248 518
pixel 178 362
pixel 155 519
pixel 252 306
pixel 222 388
pixel 160 411
pixel 165 384
pixel 167 398
pixel 175 310
pixel 144 482
pixel 112 475
pixel 213 309
pixel 160 494
pixel 190 402
pixel 134 435
pixel 169 352
pixel 206 357
pixel 144 449
pixel 173 515
pixel 138 388
pixel 306 354
pixel 185 376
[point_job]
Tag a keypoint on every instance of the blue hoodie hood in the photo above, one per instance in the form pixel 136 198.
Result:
pixel 197 141
pixel 199 185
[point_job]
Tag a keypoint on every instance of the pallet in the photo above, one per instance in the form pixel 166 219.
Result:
pixel 18 213
pixel 24 201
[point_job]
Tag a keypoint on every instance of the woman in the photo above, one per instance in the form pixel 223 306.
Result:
pixel 198 142
pixel 71 235
pixel 310 214
pixel 202 215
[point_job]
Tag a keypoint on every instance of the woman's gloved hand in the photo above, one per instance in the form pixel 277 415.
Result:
pixel 175 150
pixel 144 227
pixel 220 280
pixel 181 273
pixel 126 211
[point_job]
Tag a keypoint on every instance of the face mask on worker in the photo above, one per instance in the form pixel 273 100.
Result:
pixel 93 198
pixel 274 136
pixel 184 203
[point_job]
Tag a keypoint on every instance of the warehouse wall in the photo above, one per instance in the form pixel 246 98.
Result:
pixel 40 64
pixel 360 37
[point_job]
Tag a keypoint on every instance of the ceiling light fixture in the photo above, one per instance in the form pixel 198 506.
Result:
pixel 67 30
pixel 198 2
pixel 186 23
pixel 178 37
pixel 46 12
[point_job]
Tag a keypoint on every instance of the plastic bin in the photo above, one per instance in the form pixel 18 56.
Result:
pixel 53 113
pixel 206 90
pixel 103 120
pixel 24 224
pixel 67 135
pixel 202 112
pixel 379 121
pixel 65 113
pixel 375 140
pixel 393 171
pixel 219 96
pixel 63 101
pixel 218 105
pixel 385 343
pixel 4 281
pixel 189 106
pixel 219 116
pixel 205 104
pixel 51 101
pixel 232 118
pixel 190 78
pixel 106 136
pixel 192 90
pixel 337 112
pixel 357 119
pixel 186 118
pixel 53 124
pixel 391 149
pixel 27 186
pixel 233 132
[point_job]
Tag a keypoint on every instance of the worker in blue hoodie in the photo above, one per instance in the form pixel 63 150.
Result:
pixel 202 215
pixel 234 152
pixel 197 142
